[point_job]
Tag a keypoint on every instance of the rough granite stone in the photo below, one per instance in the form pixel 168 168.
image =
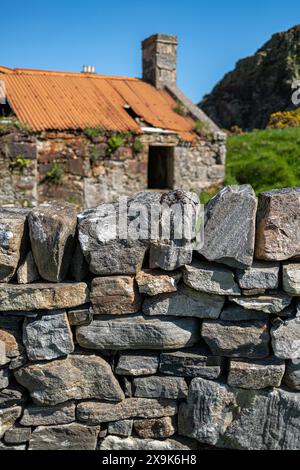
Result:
pixel 133 443
pixel 278 220
pixel 292 374
pixel 179 223
pixel 192 362
pixel 12 397
pixel 185 303
pixel 138 332
pixel 210 278
pixel 137 363
pixel 260 275
pixel 236 313
pixel 246 339
pixel 255 375
pixel 17 435
pixel 48 415
pixel 115 295
pixel 80 316
pixel 104 249
pixel 13 240
pixel 27 271
pixel 44 296
pixel 76 377
pixel 230 227
pixel 73 436
pixel 4 378
pixel 160 387
pixel 291 278
pixel 8 417
pixel 130 408
pixel 155 281
pixel 122 428
pixel 10 345
pixel 286 339
pixel 48 336
pixel 218 415
pixel 52 228
pixel 159 428
pixel 270 303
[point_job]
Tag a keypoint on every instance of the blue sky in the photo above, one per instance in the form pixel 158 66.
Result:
pixel 213 35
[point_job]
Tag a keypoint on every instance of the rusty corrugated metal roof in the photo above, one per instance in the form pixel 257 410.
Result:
pixel 48 100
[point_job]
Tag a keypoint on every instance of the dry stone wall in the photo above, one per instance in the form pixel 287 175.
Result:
pixel 139 344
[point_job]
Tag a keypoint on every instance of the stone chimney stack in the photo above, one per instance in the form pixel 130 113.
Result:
pixel 160 60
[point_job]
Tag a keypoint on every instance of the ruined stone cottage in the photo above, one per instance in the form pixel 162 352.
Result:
pixel 88 138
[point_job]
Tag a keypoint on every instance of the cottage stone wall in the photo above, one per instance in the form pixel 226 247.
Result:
pixel 80 170
pixel 150 343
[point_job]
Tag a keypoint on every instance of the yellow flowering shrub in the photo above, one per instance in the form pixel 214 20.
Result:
pixel 282 120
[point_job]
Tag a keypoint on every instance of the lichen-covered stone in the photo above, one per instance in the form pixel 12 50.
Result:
pixel 292 374
pixel 138 332
pixel 218 415
pixel 160 387
pixel 76 377
pixel 115 295
pixel 8 417
pixel 185 303
pixel 270 303
pixel 286 339
pixel 48 415
pixel 130 408
pixel 137 363
pixel 48 336
pixel 192 362
pixel 133 443
pixel 27 271
pixel 122 428
pixel 155 281
pixel 13 240
pixel 158 428
pixel 73 436
pixel 210 278
pixel 44 296
pixel 291 278
pixel 255 375
pixel 260 275
pixel 248 339
pixel 230 227
pixel 278 220
pixel 52 228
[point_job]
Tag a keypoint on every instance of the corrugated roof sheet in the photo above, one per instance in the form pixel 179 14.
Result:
pixel 48 100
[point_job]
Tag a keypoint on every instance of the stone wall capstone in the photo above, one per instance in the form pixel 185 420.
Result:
pixel 101 351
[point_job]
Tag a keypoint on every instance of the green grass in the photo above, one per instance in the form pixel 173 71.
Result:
pixel 265 159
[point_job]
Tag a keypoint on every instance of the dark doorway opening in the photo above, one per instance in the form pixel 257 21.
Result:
pixel 160 167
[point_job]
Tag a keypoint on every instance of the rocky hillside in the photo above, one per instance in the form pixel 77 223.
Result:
pixel 258 86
